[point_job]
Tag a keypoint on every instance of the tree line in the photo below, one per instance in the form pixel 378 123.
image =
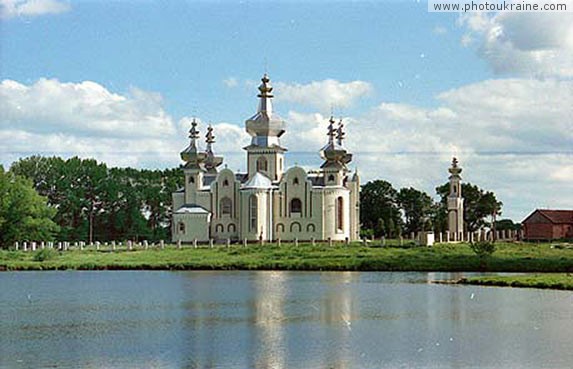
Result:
pixel 49 198
pixel 385 211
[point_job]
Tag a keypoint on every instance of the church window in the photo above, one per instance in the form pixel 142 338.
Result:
pixel 280 228
pixel 331 178
pixel 220 228
pixel 231 228
pixel 191 180
pixel 296 206
pixel 310 228
pixel 225 183
pixel 262 164
pixel 295 181
pixel 340 213
pixel 253 213
pixel 182 227
pixel 226 206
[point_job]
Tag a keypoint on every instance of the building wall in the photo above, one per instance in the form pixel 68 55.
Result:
pixel 196 226
pixel 225 187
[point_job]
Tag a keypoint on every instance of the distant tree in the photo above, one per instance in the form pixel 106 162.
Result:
pixel 378 200
pixel 24 214
pixel 478 205
pixel 507 224
pixel 417 208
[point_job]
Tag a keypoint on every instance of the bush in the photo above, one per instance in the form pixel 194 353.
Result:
pixel 483 249
pixel 46 254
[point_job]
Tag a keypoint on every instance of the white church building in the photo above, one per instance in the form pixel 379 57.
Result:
pixel 268 202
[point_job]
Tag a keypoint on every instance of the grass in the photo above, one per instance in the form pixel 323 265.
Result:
pixel 558 281
pixel 509 257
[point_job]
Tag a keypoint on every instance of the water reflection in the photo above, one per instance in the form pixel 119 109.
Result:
pixel 276 320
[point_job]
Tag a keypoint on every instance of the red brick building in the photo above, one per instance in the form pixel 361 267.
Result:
pixel 548 225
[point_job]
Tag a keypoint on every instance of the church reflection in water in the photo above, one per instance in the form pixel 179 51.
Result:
pixel 277 326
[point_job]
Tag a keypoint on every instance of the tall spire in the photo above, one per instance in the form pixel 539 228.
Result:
pixel 265 88
pixel 211 161
pixel 209 139
pixel 265 127
pixel 331 131
pixel 192 158
pixel 340 133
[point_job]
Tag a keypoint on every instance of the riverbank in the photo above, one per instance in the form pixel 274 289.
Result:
pixel 561 281
pixel 509 257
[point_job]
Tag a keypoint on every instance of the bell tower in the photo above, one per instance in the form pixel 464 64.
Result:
pixel 265 154
pixel 455 203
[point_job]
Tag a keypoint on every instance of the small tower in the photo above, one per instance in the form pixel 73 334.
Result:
pixel 335 155
pixel 211 161
pixel 194 165
pixel 455 203
pixel 265 153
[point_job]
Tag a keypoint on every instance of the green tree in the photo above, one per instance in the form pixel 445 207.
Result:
pixel 24 214
pixel 478 205
pixel 417 208
pixel 378 200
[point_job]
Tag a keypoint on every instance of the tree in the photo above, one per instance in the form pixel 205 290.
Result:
pixel 378 200
pixel 483 250
pixel 417 208
pixel 478 205
pixel 24 214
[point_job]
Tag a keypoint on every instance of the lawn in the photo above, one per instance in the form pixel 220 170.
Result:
pixel 559 281
pixel 509 257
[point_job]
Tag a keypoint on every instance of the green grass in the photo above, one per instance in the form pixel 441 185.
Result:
pixel 509 257
pixel 559 281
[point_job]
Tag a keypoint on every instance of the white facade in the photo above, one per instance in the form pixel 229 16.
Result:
pixel 267 202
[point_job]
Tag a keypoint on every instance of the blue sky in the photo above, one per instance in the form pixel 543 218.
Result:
pixel 119 80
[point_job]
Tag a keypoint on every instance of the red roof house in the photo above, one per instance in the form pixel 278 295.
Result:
pixel 545 224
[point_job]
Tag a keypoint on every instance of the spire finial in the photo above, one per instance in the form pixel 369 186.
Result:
pixel 331 130
pixel 209 139
pixel 193 132
pixel 340 133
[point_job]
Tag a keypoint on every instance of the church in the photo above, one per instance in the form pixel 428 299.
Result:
pixel 268 202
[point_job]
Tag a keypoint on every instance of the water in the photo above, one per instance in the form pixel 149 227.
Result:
pixel 276 320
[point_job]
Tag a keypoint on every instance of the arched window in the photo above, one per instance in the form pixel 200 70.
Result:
pixel 191 180
pixel 220 228
pixel 331 178
pixel 295 227
pixel 310 228
pixel 253 213
pixel 225 183
pixel 295 181
pixel 231 228
pixel 295 206
pixel 182 227
pixel 262 164
pixel 226 206
pixel 280 228
pixel 340 214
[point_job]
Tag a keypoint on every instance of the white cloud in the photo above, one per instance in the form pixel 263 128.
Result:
pixel 86 109
pixel 231 82
pixel 31 8
pixel 323 95
pixel 440 30
pixel 533 44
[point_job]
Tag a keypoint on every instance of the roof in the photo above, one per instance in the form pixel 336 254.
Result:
pixel 554 216
pixel 258 181
pixel 191 209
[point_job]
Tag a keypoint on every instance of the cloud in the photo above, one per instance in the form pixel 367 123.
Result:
pixel 323 95
pixel 231 82
pixel 31 8
pixel 532 44
pixel 86 109
pixel 439 30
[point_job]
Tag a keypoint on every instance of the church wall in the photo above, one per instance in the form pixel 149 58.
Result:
pixel 332 228
pixel 354 209
pixel 178 200
pixel 196 226
pixel 225 189
pixel 274 160
pixel 261 225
